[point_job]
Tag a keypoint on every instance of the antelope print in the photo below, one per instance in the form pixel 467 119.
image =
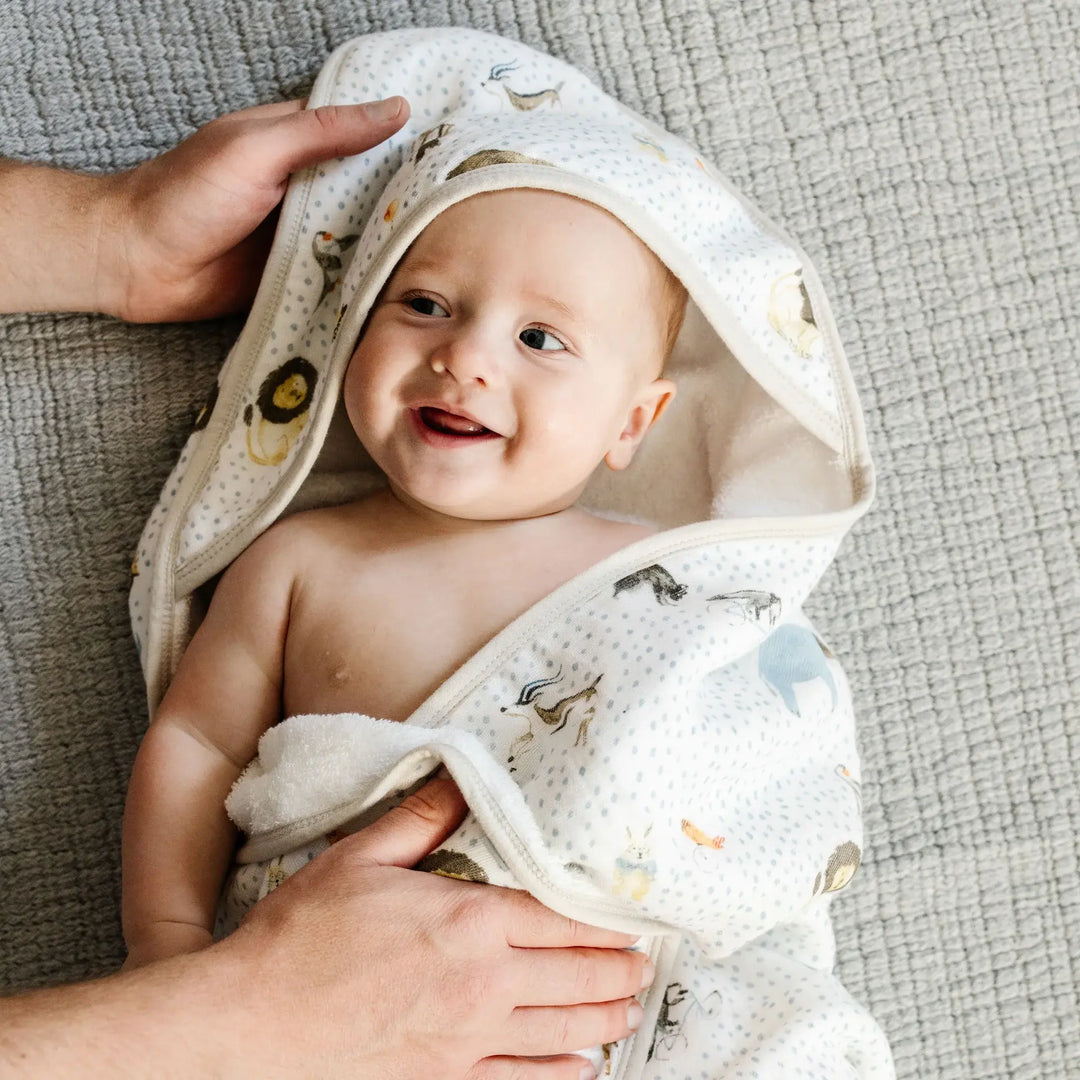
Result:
pixel 522 102
pixel 554 716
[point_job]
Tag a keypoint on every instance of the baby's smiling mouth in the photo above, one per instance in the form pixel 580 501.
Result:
pixel 448 423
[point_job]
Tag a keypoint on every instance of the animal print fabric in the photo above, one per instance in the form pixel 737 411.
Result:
pixel 663 745
pixel 671 752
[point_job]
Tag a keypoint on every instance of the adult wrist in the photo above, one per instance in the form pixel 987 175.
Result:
pixel 129 1025
pixel 111 242
pixel 61 238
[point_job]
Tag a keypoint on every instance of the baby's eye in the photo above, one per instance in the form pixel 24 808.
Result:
pixel 426 306
pixel 536 338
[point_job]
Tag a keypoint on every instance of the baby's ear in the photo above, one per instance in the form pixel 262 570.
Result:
pixel 650 402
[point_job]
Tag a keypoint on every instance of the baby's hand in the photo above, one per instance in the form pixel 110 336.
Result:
pixel 185 235
pixel 165 939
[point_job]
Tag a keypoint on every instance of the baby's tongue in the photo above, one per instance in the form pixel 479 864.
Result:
pixel 448 422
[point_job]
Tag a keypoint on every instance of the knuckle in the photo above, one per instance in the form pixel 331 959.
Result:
pixel 576 932
pixel 633 968
pixel 571 1028
pixel 328 117
pixel 585 975
pixel 419 805
pixel 216 126
pixel 469 918
pixel 561 1030
pixel 232 143
pixel 613 1023
pixel 346 857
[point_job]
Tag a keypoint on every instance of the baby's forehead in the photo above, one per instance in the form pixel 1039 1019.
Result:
pixel 526 215
pixel 530 205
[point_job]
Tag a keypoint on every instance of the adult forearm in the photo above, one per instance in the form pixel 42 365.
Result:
pixel 131 1025
pixel 181 236
pixel 54 239
pixel 332 975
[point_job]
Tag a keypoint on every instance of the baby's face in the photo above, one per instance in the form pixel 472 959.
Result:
pixel 515 347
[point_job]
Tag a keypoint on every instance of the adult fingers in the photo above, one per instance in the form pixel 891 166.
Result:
pixel 413 829
pixel 572 976
pixel 564 1029
pixel 292 139
pixel 530 925
pixel 563 1067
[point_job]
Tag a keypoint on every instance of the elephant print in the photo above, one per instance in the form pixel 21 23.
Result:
pixel 791 655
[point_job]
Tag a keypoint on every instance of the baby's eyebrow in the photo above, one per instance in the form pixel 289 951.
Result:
pixel 559 305
pixel 419 264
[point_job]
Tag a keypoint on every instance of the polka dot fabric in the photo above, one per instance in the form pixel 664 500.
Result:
pixel 487 113
pixel 664 744
pixel 669 750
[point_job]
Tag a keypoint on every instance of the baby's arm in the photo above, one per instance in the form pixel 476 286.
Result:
pixel 178 841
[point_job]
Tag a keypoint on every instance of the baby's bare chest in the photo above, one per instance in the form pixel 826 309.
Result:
pixel 380 639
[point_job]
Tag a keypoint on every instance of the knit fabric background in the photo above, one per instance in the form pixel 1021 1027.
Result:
pixel 927 156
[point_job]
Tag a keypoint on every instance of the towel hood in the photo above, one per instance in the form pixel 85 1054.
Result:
pixel 765 436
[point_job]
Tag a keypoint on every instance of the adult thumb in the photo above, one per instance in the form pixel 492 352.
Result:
pixel 414 828
pixel 330 131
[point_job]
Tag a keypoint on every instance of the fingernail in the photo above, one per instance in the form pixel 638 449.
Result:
pixel 648 973
pixel 384 111
pixel 633 1016
pixel 587 1073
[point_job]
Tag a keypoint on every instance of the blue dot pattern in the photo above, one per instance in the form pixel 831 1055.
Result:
pixel 639 754
pixel 470 92
pixel 664 745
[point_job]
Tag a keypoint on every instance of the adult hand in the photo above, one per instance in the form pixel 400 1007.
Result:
pixel 354 967
pixel 185 235
pixel 421 976
pixel 182 236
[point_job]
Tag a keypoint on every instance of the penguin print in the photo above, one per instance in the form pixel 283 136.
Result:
pixel 328 250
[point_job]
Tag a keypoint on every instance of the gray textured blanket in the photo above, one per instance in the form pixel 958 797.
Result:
pixel 926 155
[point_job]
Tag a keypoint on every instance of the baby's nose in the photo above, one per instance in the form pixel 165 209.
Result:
pixel 467 358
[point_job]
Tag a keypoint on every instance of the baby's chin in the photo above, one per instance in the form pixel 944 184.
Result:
pixel 483 511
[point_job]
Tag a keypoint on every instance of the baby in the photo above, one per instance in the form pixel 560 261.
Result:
pixel 519 343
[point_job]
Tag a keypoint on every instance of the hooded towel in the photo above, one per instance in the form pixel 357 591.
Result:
pixel 663 745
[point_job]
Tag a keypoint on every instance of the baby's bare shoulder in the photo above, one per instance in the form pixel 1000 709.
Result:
pixel 317 528
pixel 616 534
pixel 295 547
